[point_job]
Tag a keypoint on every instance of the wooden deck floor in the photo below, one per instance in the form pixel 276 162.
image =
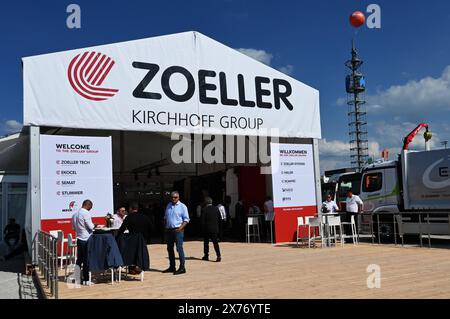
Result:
pixel 264 271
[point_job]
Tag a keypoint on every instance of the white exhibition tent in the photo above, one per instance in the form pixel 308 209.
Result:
pixel 141 91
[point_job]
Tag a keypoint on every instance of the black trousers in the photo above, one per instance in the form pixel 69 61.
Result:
pixel 222 228
pixel 17 251
pixel 82 259
pixel 348 218
pixel 215 240
pixel 269 231
pixel 240 231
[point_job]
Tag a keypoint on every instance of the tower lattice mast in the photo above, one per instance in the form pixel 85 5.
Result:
pixel 357 123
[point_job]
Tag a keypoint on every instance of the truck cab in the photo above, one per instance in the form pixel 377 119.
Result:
pixel 380 187
pixel 347 181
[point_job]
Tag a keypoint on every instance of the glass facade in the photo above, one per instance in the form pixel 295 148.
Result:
pixel 1 209
pixel 17 202
pixel 13 200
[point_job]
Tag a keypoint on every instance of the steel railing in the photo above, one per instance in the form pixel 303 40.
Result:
pixel 46 259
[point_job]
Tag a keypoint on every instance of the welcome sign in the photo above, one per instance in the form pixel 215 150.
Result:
pixel 74 168
pixel 293 183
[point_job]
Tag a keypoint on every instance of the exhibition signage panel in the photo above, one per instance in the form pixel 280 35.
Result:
pixel 184 82
pixel 293 184
pixel 74 168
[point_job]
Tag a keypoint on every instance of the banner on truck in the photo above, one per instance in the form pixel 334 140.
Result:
pixel 184 82
pixel 74 168
pixel 293 182
pixel 428 182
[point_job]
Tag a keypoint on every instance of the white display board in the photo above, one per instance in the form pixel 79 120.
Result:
pixel 293 176
pixel 75 168
pixel 183 82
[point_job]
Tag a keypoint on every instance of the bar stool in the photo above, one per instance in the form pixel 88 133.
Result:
pixel 112 277
pixel 354 235
pixel 314 224
pixel 252 229
pixel 333 223
pixel 59 234
pixel 71 254
pixel 301 227
pixel 126 272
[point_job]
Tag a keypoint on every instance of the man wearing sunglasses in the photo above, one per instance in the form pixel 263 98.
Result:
pixel 176 218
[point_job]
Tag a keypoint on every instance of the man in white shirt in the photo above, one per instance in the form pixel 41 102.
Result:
pixel 83 226
pixel 223 220
pixel 353 203
pixel 329 205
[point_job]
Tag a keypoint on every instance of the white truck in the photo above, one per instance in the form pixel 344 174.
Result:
pixel 412 191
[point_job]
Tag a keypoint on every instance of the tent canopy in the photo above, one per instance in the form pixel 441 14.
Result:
pixel 14 154
pixel 185 82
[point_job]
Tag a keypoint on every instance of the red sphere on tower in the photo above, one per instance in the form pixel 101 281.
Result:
pixel 357 19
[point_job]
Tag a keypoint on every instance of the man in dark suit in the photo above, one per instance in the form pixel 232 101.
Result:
pixel 240 220
pixel 136 222
pixel 210 220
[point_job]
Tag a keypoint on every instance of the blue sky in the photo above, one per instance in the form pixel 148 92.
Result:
pixel 405 60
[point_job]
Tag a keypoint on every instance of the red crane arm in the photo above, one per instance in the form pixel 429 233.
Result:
pixel 409 138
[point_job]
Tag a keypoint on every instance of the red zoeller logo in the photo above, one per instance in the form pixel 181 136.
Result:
pixel 71 204
pixel 86 73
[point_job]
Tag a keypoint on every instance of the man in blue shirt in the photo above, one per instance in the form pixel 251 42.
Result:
pixel 176 219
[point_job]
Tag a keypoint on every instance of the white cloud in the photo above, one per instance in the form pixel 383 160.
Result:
pixel 259 55
pixel 340 148
pixel 390 135
pixel 429 95
pixel 336 154
pixel 10 127
pixel 287 69
pixel 327 164
pixel 341 101
pixel 374 149
pixel 334 148
pixel 266 58
pixel 333 154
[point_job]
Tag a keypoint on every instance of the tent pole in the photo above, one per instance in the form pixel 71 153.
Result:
pixel 317 176
pixel 35 186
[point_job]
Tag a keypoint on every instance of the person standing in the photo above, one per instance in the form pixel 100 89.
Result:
pixel 23 247
pixel 268 217
pixel 223 219
pixel 12 232
pixel 176 218
pixel 83 226
pixel 240 219
pixel 354 205
pixel 227 204
pixel 329 205
pixel 211 219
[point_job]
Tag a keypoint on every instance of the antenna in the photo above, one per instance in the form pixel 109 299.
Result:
pixel 355 84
